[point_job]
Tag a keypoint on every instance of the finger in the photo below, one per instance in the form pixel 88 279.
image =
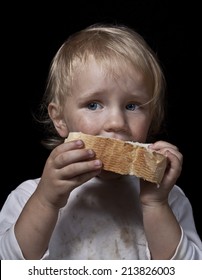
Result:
pixel 68 146
pixel 175 161
pixel 79 168
pixel 173 170
pixel 160 145
pixel 170 153
pixel 81 179
pixel 73 156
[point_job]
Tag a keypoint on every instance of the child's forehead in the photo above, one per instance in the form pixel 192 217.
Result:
pixel 110 66
pixel 94 76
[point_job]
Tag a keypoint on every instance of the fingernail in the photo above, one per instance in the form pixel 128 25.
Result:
pixel 79 143
pixel 98 163
pixel 91 153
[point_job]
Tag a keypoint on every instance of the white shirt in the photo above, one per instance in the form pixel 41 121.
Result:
pixel 99 222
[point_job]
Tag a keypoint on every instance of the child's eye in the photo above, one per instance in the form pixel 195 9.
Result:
pixel 93 106
pixel 132 107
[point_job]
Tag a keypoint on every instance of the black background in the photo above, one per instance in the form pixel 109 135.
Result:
pixel 31 35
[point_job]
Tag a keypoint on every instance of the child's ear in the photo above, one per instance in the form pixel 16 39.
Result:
pixel 57 118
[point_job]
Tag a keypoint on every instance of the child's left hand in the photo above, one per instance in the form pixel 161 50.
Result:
pixel 151 194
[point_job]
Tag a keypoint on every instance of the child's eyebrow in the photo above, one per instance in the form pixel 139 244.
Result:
pixel 142 95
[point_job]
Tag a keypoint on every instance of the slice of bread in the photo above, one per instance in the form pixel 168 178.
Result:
pixel 126 158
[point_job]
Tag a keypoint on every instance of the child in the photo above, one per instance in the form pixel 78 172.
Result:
pixel 104 80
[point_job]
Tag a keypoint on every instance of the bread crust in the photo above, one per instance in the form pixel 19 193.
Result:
pixel 126 158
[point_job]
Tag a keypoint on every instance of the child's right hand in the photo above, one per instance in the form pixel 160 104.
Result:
pixel 68 166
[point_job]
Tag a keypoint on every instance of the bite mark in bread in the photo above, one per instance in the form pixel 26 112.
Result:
pixel 125 157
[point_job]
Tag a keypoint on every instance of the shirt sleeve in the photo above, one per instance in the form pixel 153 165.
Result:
pixel 187 251
pixel 9 247
pixel 190 245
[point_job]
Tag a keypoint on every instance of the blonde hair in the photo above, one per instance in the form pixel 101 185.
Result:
pixel 110 45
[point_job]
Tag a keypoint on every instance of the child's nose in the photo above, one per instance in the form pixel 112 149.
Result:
pixel 116 121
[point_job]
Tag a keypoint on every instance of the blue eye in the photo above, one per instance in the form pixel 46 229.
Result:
pixel 132 107
pixel 93 106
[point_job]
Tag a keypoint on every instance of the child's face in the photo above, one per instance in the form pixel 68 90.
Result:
pixel 103 105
